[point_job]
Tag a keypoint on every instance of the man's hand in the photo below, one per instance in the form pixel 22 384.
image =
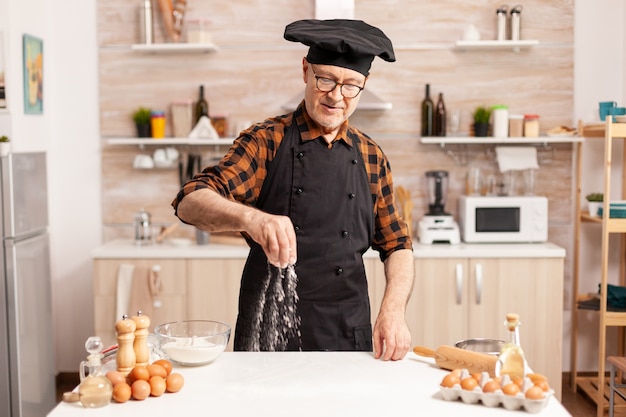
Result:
pixel 276 236
pixel 392 338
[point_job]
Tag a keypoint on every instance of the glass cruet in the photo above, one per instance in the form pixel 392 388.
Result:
pixel 95 389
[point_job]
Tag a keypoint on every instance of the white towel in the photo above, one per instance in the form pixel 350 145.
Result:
pixel 124 286
pixel 204 130
pixel 514 158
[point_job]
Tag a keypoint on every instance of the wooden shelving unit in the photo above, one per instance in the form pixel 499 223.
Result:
pixel 597 387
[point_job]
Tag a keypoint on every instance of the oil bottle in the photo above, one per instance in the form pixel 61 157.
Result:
pixel 95 389
pixel 511 360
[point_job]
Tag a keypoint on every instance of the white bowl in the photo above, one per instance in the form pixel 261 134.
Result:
pixel 192 342
pixel 620 119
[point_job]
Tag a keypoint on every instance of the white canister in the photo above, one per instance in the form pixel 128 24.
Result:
pixel 516 17
pixel 500 121
pixel 501 16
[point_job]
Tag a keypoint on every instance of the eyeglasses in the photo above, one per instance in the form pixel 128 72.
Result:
pixel 327 85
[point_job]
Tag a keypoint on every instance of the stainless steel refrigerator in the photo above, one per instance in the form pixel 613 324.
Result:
pixel 27 359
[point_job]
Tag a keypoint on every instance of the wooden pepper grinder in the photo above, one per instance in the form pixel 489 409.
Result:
pixel 140 345
pixel 125 329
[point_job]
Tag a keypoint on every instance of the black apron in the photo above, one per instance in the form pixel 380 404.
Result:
pixel 325 191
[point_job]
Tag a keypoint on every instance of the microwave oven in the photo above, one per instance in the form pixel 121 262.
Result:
pixel 503 219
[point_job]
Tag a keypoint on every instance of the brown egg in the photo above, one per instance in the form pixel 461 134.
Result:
pixel 518 380
pixel 491 386
pixel 511 389
pixel 545 387
pixel 115 377
pixel 174 382
pixel 477 376
pixel 121 392
pixel 139 372
pixel 167 365
pixel 450 380
pixel 534 393
pixel 534 378
pixel 469 383
pixel 156 370
pixel 458 372
pixel 140 389
pixel 157 386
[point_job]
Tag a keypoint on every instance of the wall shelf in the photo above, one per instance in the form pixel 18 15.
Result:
pixel 482 45
pixel 167 141
pixel 472 140
pixel 167 48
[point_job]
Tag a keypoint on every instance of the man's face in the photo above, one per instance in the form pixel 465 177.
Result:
pixel 330 109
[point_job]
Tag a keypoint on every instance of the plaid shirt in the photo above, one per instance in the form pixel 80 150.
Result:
pixel 241 172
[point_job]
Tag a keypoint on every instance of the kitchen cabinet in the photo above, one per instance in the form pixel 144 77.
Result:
pixel 169 300
pixel 214 290
pixel 460 298
pixel 375 272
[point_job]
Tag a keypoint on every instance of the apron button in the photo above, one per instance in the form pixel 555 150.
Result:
pixel 339 271
pixel 344 233
pixel 296 228
pixel 300 154
pixel 351 195
pixel 354 162
pixel 299 191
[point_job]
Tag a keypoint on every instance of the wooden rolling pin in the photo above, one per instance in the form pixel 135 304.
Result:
pixel 450 358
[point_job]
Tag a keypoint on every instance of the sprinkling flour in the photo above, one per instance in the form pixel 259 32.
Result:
pixel 276 319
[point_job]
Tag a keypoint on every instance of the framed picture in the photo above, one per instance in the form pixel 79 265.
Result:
pixel 33 74
pixel 3 101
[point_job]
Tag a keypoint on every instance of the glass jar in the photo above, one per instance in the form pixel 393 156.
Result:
pixel 531 125
pixel 182 118
pixel 516 125
pixel 198 31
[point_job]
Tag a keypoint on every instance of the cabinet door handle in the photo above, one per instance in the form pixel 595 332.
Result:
pixel 478 270
pixel 155 284
pixel 459 284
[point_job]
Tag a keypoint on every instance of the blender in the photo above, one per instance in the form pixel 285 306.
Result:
pixel 437 226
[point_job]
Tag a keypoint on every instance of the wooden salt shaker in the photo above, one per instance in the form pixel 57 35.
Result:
pixel 125 329
pixel 140 345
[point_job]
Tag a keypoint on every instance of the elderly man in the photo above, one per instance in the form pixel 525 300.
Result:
pixel 311 194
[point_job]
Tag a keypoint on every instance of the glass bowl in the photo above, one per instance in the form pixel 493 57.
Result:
pixel 192 342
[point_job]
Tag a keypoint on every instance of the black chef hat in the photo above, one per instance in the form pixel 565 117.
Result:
pixel 351 44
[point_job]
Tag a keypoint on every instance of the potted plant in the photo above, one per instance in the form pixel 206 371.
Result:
pixel 481 121
pixel 5 145
pixel 141 117
pixel 594 201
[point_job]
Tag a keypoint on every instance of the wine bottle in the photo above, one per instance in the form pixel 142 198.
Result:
pixel 428 112
pixel 440 117
pixel 201 107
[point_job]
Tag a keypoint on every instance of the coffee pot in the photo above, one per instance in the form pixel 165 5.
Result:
pixel 143 228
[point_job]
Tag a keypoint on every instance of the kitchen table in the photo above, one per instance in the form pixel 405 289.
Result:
pixel 305 384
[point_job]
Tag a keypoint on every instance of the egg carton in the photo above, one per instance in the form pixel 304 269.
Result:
pixel 497 398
